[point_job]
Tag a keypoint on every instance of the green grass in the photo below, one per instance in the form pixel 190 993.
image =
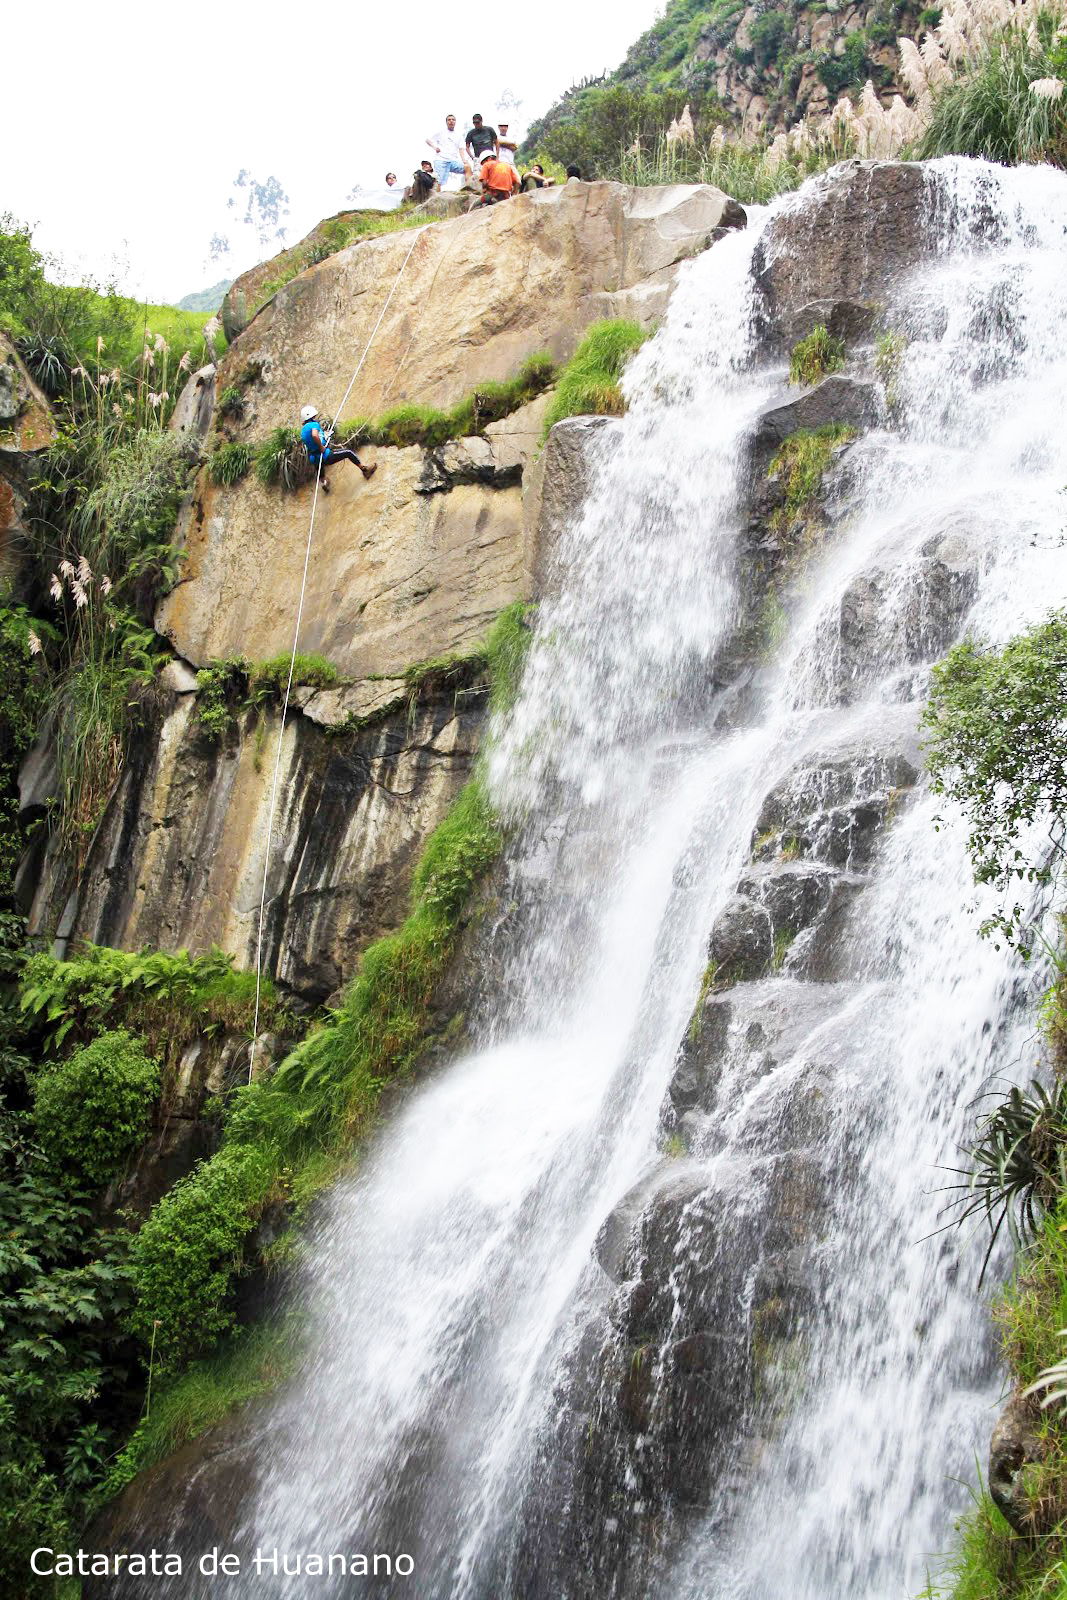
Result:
pixel 890 349
pixel 816 356
pixel 252 1364
pixel 411 424
pixel 589 384
pixel 1034 1309
pixel 267 678
pixel 992 1561
pixel 126 325
pixel 801 464
pixel 229 462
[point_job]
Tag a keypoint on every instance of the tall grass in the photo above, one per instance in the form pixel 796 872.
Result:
pixel 750 174
pixel 589 384
pixel 991 111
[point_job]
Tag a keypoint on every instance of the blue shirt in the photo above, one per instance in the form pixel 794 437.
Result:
pixel 310 445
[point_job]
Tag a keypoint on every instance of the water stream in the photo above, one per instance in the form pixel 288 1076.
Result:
pixel 455 1290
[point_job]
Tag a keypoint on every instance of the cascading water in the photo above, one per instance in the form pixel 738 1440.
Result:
pixel 476 1394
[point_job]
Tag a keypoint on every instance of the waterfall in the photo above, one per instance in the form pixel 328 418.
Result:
pixel 555 1236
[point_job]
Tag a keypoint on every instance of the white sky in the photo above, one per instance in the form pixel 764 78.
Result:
pixel 132 121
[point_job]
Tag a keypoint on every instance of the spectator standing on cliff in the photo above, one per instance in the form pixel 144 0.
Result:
pixel 505 147
pixel 313 435
pixel 450 155
pixel 479 140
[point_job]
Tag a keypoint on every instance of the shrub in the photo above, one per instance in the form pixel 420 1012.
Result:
pixel 589 383
pixel 814 357
pixel 1018 1163
pixel 842 72
pixel 94 1108
pixel 23 698
pixel 221 688
pixel 229 462
pixel 171 998
pixel 282 460
pixel 183 1260
pixel 995 745
pixel 231 402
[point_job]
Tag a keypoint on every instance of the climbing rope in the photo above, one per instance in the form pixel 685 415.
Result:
pixel 296 640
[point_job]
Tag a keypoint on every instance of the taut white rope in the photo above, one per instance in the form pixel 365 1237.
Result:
pixel 296 640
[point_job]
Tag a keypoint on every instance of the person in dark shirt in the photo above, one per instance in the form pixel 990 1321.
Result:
pixel 423 182
pixel 313 434
pixel 479 140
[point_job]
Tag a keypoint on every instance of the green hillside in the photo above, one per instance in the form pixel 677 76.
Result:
pixel 754 69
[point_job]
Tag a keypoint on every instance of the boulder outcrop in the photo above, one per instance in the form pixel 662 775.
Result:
pixel 832 259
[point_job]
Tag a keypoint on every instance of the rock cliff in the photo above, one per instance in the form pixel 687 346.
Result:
pixel 409 568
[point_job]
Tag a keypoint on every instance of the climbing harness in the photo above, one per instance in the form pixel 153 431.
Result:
pixel 328 435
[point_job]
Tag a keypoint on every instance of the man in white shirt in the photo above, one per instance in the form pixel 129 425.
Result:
pixel 450 155
pixel 506 145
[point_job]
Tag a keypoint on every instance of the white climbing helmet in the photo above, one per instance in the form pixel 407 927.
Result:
pixel 309 413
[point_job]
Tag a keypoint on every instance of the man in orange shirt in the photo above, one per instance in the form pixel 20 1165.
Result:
pixel 499 179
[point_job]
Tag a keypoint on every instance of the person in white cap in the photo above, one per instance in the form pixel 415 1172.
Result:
pixel 505 146
pixel 314 438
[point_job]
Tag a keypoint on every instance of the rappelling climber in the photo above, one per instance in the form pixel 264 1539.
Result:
pixel 316 445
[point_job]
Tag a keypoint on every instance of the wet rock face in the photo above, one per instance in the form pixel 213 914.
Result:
pixel 178 861
pixel 556 490
pixel 817 263
pixel 1015 1447
pixel 714 1271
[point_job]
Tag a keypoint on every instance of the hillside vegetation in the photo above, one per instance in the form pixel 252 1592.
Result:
pixel 752 69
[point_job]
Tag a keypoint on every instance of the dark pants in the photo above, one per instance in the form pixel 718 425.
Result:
pixel 336 452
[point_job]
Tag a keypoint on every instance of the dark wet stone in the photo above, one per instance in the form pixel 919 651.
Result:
pixel 1016 1445
pixel 866 222
pixel 742 942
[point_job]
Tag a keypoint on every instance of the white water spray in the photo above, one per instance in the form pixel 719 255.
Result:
pixel 451 1286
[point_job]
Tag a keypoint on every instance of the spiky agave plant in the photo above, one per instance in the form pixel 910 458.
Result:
pixel 1018 1163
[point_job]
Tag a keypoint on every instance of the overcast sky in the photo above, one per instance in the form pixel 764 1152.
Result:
pixel 127 124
